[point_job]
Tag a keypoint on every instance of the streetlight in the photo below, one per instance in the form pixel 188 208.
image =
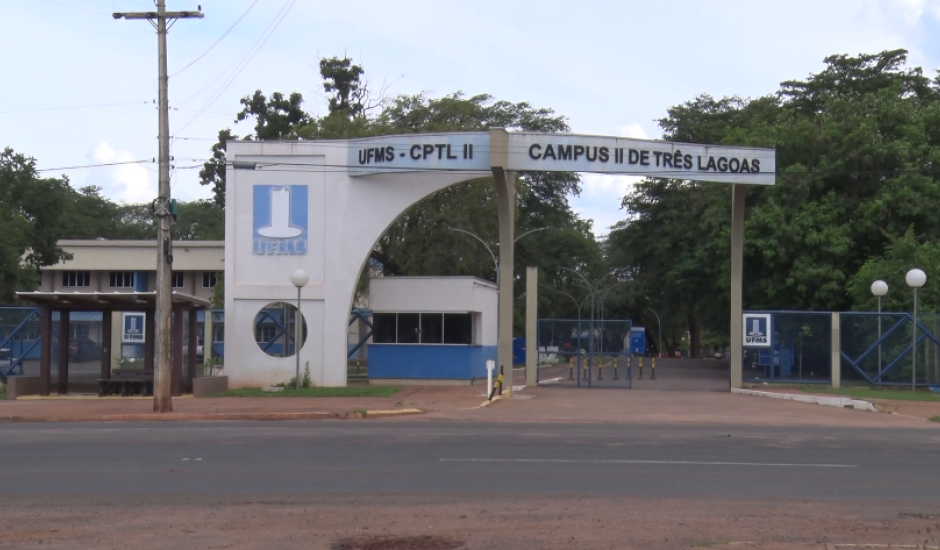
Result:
pixel 593 293
pixel 660 323
pixel 299 278
pixel 490 250
pixel 579 305
pixel 915 279
pixel 879 288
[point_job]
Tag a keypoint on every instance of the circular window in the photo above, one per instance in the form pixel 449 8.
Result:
pixel 276 329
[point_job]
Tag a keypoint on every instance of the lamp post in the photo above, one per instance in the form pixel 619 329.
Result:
pixel 579 305
pixel 915 279
pixel 660 323
pixel 879 288
pixel 299 279
pixel 490 250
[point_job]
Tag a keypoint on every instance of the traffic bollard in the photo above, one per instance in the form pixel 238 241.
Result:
pixel 653 377
pixel 641 368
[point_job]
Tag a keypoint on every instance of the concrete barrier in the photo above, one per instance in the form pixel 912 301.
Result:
pixel 207 385
pixel 829 401
pixel 22 385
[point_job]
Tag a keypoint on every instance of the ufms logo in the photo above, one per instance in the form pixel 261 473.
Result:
pixel 757 330
pixel 279 226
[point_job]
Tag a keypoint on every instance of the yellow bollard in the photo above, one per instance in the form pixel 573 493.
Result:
pixel 654 369
pixel 641 367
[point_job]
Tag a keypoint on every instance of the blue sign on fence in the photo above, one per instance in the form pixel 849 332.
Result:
pixel 757 330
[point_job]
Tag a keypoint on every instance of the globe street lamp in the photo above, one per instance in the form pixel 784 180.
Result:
pixel 299 279
pixel 915 279
pixel 879 288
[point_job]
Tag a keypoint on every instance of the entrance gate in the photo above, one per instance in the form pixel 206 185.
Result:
pixel 585 353
pixel 321 206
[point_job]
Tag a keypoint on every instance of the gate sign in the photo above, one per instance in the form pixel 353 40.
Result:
pixel 757 330
pixel 133 328
pixel 551 152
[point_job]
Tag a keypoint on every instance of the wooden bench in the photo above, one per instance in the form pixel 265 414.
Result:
pixel 126 382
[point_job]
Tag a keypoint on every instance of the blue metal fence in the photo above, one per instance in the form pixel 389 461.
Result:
pixel 876 348
pixel 800 349
pixel 582 352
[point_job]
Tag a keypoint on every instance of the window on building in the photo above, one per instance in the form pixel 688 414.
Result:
pixel 384 328
pixel 178 279
pixel 218 332
pixel 209 279
pixel 78 330
pixel 422 328
pixel 121 279
pixel 27 333
pixel 266 332
pixel 458 328
pixel 432 328
pixel 76 278
pixel 408 325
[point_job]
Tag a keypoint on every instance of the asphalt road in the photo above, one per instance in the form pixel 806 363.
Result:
pixel 381 457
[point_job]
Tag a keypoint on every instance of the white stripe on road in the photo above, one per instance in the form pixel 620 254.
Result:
pixel 665 462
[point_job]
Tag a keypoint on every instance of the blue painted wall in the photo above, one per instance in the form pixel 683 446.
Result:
pixel 429 362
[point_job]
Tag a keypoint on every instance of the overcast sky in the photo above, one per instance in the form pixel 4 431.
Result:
pixel 610 67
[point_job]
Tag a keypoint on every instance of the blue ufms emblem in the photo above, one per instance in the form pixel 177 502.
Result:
pixel 279 221
pixel 757 330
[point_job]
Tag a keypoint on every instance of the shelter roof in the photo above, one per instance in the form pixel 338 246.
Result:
pixel 112 301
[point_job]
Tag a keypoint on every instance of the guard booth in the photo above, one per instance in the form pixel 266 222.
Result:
pixel 437 330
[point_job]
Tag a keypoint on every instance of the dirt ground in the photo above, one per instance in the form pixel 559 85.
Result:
pixel 433 522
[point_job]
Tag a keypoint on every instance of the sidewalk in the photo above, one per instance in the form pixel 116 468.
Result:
pixel 410 400
pixel 540 404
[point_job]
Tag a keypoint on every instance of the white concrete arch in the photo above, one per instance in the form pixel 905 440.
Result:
pixel 346 215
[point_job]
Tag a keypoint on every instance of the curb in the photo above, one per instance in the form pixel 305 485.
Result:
pixel 181 417
pixel 841 402
pixel 393 412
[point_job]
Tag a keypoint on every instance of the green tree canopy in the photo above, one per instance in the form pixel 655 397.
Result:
pixel 857 146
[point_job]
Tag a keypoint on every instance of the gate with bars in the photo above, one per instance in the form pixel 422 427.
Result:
pixel 584 353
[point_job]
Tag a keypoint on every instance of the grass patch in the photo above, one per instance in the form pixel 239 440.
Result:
pixel 876 393
pixel 3 395
pixel 349 391
pixel 934 418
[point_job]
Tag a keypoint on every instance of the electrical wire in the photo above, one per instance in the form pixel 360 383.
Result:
pixel 233 65
pixel 235 24
pixel 288 4
pixel 100 105
pixel 76 7
pixel 103 164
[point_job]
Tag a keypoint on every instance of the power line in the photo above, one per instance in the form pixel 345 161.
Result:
pixel 100 105
pixel 255 48
pixel 235 24
pixel 94 165
pixel 76 7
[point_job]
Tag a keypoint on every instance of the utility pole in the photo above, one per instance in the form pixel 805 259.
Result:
pixel 162 401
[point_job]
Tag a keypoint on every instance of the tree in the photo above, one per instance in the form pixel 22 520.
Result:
pixel 855 145
pixel 30 207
